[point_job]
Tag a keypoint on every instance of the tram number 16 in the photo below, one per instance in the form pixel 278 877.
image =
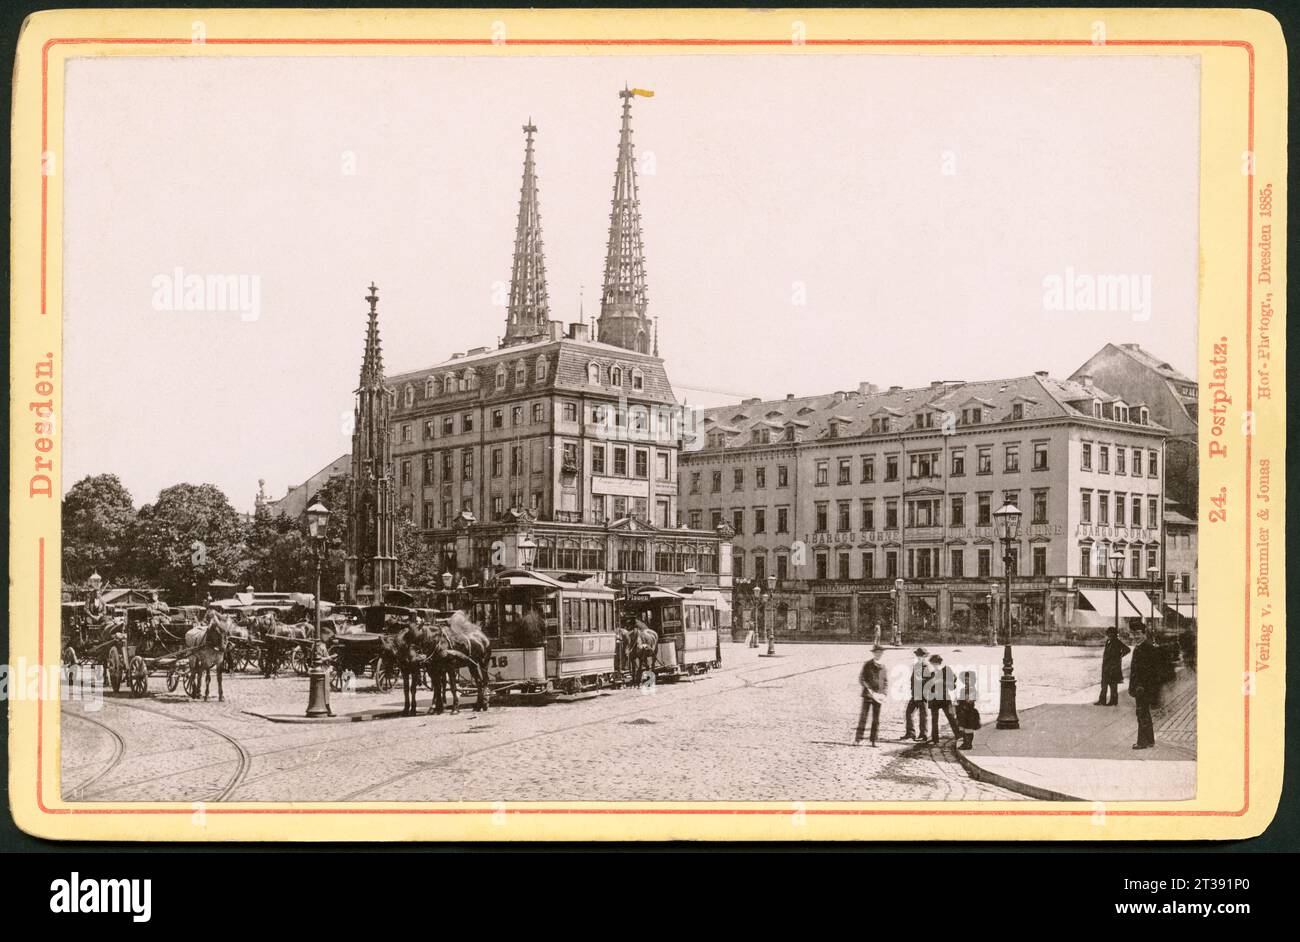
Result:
pixel 500 660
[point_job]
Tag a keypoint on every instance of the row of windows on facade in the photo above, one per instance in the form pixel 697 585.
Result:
pixel 618 464
pixel 602 508
pixel 627 556
pixel 634 418
pixel 928 464
pixel 930 418
pixel 467 380
pixel 928 512
pixel 924 563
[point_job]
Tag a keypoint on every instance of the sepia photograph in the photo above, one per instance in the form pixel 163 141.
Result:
pixel 832 434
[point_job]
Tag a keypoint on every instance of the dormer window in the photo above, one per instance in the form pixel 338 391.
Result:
pixel 1096 408
pixel 789 433
pixel 469 379
pixel 521 374
pixel 1017 411
pixel 972 416
pixel 593 373
pixel 429 385
pixel 1144 416
pixel 616 376
pixel 501 376
pixel 880 424
pixel 638 379
pixel 540 370
pixel 923 420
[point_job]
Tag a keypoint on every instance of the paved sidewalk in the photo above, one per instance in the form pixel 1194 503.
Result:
pixel 1083 752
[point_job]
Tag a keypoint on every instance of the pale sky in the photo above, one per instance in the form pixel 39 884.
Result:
pixel 914 205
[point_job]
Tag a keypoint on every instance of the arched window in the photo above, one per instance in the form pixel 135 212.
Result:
pixel 409 395
pixel 449 383
pixel 521 373
pixel 616 376
pixel 541 369
pixel 500 379
pixel 429 386
pixel 470 379
pixel 593 373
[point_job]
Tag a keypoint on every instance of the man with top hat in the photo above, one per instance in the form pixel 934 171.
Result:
pixel 1144 683
pixel 875 685
pixel 1112 670
pixel 916 696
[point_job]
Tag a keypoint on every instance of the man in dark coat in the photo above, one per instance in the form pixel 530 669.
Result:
pixel 1112 670
pixel 916 696
pixel 1144 676
pixel 938 697
pixel 875 686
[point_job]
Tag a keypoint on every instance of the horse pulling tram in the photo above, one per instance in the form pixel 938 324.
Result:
pixel 549 636
pixel 686 623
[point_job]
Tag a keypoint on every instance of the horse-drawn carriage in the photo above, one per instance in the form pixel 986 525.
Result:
pixel 128 642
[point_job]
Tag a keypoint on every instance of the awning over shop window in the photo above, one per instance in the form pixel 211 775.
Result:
pixel 1103 603
pixel 1141 602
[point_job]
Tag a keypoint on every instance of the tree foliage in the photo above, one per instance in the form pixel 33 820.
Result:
pixel 188 537
pixel 97 515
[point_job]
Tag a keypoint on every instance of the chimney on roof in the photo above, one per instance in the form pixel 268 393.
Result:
pixel 578 331
pixel 789 397
pixel 1040 372
pixel 750 401
pixel 867 389
pixel 935 383
pixel 1129 346
pixel 894 389
pixel 840 395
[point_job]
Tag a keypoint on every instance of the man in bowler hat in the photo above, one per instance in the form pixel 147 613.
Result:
pixel 938 697
pixel 875 685
pixel 916 696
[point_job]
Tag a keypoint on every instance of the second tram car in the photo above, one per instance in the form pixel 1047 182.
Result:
pixel 548 635
pixel 687 626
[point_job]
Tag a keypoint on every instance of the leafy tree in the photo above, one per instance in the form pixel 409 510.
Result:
pixel 97 515
pixel 188 537
pixel 417 558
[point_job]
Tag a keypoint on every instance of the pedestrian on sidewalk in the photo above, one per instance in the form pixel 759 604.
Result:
pixel 938 697
pixel 898 634
pixel 875 685
pixel 1112 670
pixel 1144 674
pixel 968 715
pixel 916 695
pixel 876 638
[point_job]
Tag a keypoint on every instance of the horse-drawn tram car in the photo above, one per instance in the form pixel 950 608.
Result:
pixel 549 636
pixel 686 624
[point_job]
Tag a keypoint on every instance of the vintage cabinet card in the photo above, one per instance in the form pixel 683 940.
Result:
pixel 512 425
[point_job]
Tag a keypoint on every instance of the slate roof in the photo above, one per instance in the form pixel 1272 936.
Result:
pixel 566 370
pixel 1041 396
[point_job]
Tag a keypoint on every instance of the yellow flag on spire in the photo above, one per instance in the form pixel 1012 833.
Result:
pixel 643 92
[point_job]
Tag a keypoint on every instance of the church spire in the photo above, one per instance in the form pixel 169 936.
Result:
pixel 372 361
pixel 529 312
pixel 623 298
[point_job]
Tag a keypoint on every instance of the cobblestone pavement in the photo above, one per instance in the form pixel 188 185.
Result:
pixel 761 729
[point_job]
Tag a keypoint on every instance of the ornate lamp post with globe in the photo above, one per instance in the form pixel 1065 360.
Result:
pixel 769 615
pixel 1007 522
pixel 318 698
pixel 1116 570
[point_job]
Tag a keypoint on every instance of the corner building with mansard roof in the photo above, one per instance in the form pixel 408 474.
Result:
pixel 840 496
pixel 569 436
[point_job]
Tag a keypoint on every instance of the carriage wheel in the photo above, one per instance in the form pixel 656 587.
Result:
pixel 114 668
pixel 139 676
pixel 299 662
pixel 173 680
pixel 385 678
pixel 194 684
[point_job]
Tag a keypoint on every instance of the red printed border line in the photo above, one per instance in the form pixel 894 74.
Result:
pixel 882 812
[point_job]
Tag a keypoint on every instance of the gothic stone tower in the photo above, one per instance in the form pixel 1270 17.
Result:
pixel 370 562
pixel 528 314
pixel 623 300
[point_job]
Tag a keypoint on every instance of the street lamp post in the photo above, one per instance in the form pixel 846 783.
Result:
pixel 768 620
pixel 897 594
pixel 1153 576
pixel 318 697
pixel 992 626
pixel 1007 521
pixel 754 602
pixel 1116 570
